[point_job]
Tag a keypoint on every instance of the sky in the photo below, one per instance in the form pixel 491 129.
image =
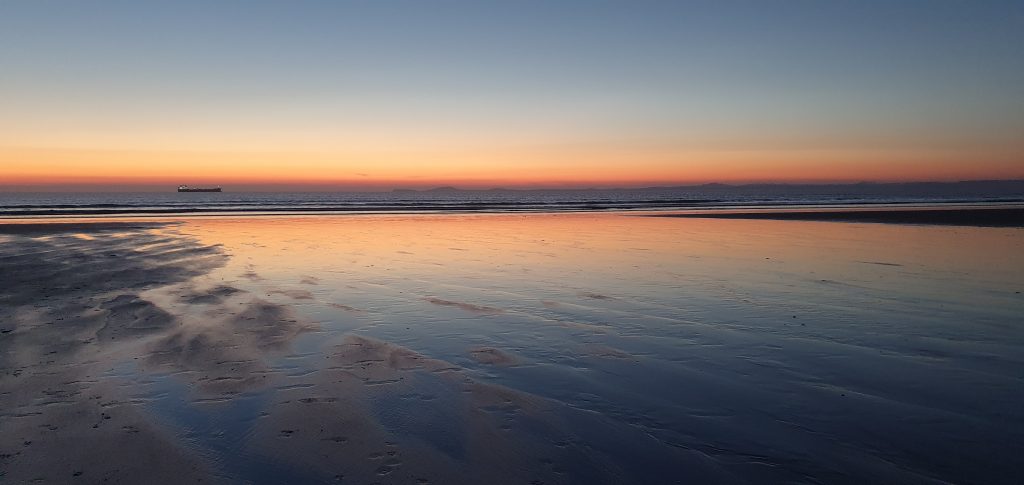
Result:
pixel 384 94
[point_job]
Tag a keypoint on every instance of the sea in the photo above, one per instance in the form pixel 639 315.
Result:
pixel 15 204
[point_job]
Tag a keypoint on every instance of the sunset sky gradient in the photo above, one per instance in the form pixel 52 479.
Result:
pixel 375 95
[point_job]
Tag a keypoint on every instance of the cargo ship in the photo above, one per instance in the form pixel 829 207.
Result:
pixel 185 188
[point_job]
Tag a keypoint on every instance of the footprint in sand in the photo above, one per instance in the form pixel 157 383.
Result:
pixel 390 464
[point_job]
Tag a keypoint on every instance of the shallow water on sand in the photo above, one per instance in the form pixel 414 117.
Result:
pixel 583 349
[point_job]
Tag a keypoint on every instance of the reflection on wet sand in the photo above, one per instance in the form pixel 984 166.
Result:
pixel 227 354
pixel 380 411
pixel 510 349
pixel 69 302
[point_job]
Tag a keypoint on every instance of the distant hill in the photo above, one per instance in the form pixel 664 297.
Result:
pixel 993 188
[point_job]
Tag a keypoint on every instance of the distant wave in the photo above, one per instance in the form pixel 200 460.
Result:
pixel 156 204
pixel 17 210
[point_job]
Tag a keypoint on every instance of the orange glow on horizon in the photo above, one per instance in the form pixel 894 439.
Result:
pixel 474 168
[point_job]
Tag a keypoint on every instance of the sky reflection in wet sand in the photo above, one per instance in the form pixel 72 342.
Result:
pixel 592 349
pixel 712 349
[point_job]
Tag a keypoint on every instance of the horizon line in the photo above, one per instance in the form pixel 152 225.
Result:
pixel 342 187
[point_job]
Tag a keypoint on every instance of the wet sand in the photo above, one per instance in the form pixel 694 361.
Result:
pixel 509 349
pixel 68 301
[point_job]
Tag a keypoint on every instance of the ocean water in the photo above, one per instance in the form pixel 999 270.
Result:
pixel 24 204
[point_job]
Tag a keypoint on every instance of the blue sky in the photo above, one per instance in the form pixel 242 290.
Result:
pixel 829 75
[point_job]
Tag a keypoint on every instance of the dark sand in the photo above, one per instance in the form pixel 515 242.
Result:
pixel 960 216
pixel 70 307
pixel 43 228
pixel 67 303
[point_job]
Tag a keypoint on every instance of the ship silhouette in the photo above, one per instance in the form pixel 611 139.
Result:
pixel 186 188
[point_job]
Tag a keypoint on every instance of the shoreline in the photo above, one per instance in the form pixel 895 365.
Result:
pixel 952 214
pixel 566 207
pixel 1009 216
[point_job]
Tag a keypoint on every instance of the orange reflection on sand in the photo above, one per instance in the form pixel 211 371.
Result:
pixel 593 243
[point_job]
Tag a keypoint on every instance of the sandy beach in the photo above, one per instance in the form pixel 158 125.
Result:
pixel 546 348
